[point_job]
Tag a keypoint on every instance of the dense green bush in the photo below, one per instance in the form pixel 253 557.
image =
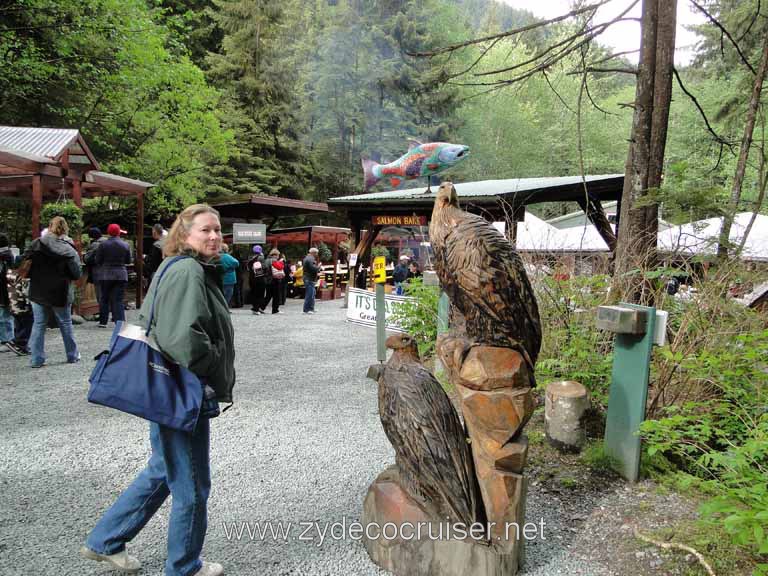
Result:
pixel 69 211
pixel 572 347
pixel 419 316
pixel 722 441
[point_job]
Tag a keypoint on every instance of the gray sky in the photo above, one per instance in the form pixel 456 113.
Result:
pixel 623 35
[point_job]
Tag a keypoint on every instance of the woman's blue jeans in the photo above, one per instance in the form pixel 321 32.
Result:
pixel 6 324
pixel 37 338
pixel 179 466
pixel 229 289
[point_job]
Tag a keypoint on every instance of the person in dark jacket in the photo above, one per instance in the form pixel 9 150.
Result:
pixel 286 279
pixel 90 259
pixel 55 263
pixel 155 256
pixel 400 275
pixel 112 257
pixel 311 272
pixel 257 278
pixel 6 317
pixel 192 327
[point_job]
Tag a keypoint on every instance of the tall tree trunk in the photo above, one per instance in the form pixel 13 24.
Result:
pixel 636 245
pixel 723 242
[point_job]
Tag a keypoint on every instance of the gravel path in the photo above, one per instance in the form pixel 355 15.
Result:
pixel 301 444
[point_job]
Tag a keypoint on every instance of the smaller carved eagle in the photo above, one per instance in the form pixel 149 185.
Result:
pixel 484 277
pixel 431 448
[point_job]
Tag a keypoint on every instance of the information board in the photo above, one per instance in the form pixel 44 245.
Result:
pixel 361 308
pixel 249 233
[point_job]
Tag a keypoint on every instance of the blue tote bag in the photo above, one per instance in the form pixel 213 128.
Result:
pixel 133 376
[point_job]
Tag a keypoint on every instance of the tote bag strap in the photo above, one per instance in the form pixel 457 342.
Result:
pixel 157 287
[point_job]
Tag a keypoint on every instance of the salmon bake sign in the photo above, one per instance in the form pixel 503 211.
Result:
pixel 399 220
pixel 361 308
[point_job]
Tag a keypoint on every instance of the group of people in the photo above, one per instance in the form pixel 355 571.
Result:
pixel 269 277
pixel 404 271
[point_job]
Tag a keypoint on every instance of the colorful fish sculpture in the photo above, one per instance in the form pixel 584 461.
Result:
pixel 421 161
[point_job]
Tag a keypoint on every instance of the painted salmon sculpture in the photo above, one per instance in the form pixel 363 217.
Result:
pixel 421 161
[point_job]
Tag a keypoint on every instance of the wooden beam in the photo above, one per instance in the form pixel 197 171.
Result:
pixel 335 266
pixel 593 208
pixel 363 247
pixel 139 256
pixel 37 204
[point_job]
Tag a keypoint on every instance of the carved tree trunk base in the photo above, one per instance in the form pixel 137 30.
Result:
pixel 438 552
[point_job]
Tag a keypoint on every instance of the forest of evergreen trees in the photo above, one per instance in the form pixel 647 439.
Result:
pixel 209 98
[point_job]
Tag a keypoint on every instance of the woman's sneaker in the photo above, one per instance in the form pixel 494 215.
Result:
pixel 16 349
pixel 210 569
pixel 121 561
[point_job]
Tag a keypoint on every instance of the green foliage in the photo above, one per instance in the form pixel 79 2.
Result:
pixel 110 69
pixel 324 253
pixel 418 317
pixel 67 210
pixel 595 456
pixel 381 251
pixel 724 439
pixel 573 349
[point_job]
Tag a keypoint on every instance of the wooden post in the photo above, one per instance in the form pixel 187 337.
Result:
pixel 77 194
pixel 309 241
pixel 335 264
pixel 363 247
pixel 139 256
pixel 37 204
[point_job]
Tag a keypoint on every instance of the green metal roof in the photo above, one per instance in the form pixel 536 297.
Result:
pixel 524 191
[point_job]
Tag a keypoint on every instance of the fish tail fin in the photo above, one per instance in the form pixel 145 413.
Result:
pixel 370 177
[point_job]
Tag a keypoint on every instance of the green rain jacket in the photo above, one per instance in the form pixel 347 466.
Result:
pixel 192 325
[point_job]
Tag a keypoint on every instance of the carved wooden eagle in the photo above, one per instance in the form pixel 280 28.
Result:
pixel 430 442
pixel 484 277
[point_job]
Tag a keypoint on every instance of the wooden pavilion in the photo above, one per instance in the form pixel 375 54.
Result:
pixel 51 163
pixel 493 199
pixel 311 235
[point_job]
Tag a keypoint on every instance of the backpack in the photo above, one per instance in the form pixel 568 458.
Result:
pixel 257 268
pixel 277 274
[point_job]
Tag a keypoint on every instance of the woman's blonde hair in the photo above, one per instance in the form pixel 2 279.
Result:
pixel 58 226
pixel 224 248
pixel 175 243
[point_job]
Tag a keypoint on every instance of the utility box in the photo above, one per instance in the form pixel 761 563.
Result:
pixel 622 319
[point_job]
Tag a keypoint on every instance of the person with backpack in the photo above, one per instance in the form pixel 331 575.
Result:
pixel 258 280
pixel 275 275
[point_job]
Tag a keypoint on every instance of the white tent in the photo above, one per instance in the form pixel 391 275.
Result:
pixel 535 235
pixel 700 238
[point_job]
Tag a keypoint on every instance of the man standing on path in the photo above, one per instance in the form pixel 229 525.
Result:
pixel 112 257
pixel 311 271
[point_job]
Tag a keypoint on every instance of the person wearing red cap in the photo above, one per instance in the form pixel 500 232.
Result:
pixel 112 257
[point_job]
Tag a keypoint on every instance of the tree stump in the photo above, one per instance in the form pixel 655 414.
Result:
pixel 565 406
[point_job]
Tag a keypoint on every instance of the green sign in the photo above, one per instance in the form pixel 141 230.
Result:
pixel 628 395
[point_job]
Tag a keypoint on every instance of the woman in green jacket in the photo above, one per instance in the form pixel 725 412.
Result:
pixel 192 327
